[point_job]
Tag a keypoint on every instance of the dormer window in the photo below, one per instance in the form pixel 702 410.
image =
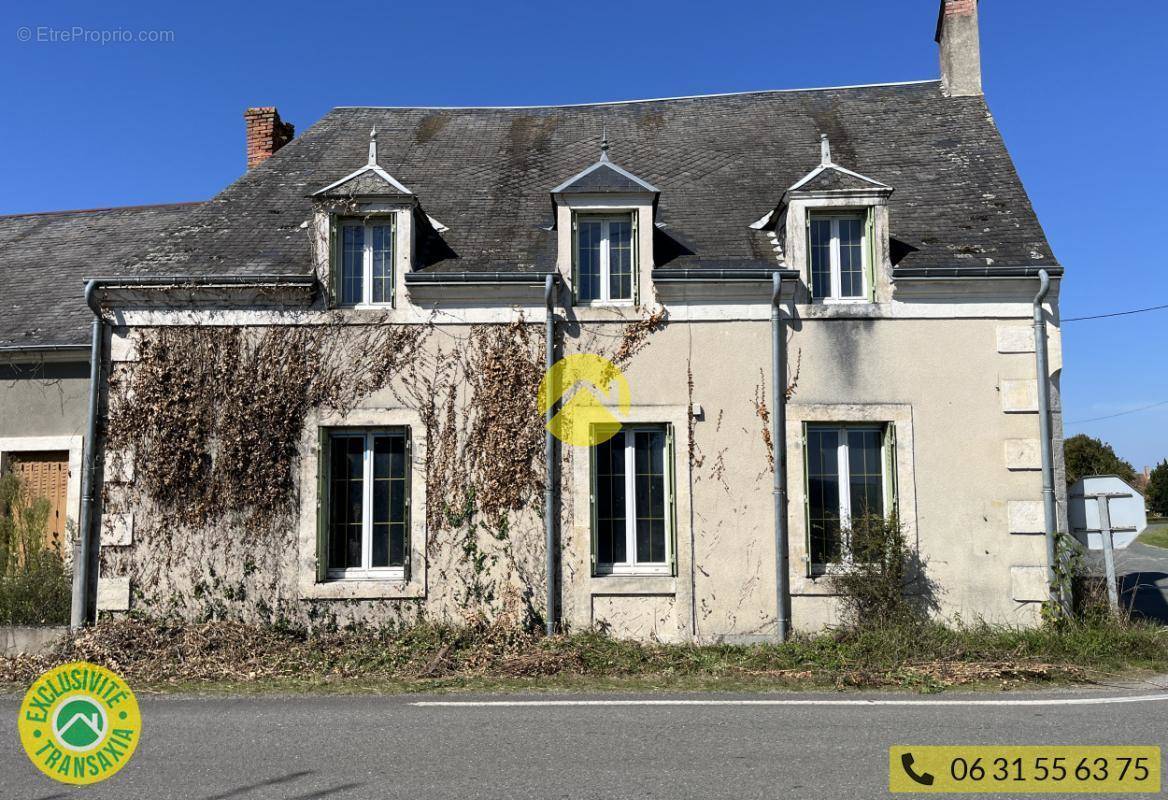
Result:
pixel 604 220
pixel 837 245
pixel 369 218
pixel 832 226
pixel 366 261
pixel 605 263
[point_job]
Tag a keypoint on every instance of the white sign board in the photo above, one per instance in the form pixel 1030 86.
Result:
pixel 1129 517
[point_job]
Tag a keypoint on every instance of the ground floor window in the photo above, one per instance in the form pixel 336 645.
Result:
pixel 366 490
pixel 850 485
pixel 632 502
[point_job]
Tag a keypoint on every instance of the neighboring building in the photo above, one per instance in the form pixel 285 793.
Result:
pixel 320 403
pixel 1125 506
pixel 45 337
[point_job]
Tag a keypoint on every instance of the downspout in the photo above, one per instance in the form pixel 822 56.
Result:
pixel 549 447
pixel 81 612
pixel 1044 434
pixel 778 457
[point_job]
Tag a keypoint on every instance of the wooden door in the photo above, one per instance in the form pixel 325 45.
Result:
pixel 46 474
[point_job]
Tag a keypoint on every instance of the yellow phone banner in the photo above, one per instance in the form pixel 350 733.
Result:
pixel 1024 769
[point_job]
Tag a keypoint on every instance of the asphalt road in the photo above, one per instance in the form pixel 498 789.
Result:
pixel 1143 578
pixel 387 747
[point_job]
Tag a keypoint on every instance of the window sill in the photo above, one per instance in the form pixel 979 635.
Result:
pixel 827 570
pixel 367 307
pixel 363 589
pixel 385 575
pixel 633 585
pixel 605 303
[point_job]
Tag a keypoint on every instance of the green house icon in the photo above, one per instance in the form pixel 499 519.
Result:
pixel 79 723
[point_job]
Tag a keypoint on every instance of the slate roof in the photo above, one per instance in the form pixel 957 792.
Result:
pixel 720 162
pixel 45 259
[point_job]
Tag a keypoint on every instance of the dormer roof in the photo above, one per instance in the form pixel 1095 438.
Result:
pixel 604 176
pixel 831 177
pixel 368 181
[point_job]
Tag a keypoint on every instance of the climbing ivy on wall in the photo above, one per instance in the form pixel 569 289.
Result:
pixel 212 420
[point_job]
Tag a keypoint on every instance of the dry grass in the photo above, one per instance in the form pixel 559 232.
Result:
pixel 480 655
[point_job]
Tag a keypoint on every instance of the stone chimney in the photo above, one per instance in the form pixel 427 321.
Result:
pixel 957 33
pixel 266 134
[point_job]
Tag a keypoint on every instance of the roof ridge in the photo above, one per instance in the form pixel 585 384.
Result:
pixel 641 100
pixel 67 211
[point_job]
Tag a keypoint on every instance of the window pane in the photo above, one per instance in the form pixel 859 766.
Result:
pixel 352 264
pixel 866 466
pixel 380 534
pixel 397 544
pixel 588 259
pixel 610 500
pixel 851 258
pixel 338 510
pixel 389 501
pixel 346 499
pixel 650 501
pixel 820 257
pixel 382 263
pixel 823 494
pixel 620 259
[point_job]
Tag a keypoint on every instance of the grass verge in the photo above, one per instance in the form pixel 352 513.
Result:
pixel 1155 535
pixel 229 657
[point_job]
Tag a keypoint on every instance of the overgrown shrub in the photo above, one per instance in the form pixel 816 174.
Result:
pixel 34 583
pixel 885 584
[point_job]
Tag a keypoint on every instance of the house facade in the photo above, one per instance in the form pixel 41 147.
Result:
pixel 320 391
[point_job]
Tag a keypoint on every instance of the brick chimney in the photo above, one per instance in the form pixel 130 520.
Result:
pixel 266 134
pixel 957 33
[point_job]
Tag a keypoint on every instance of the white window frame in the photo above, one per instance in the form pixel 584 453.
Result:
pixel 368 223
pixel 605 220
pixel 844 463
pixel 835 217
pixel 632 566
pixel 366 571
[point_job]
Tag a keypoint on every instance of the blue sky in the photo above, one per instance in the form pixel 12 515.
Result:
pixel 1076 88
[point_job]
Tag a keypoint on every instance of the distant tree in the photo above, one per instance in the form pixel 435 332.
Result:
pixel 1157 495
pixel 1086 455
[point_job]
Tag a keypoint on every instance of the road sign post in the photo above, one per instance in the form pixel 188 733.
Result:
pixel 1103 499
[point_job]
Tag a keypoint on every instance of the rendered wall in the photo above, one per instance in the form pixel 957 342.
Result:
pixel 960 390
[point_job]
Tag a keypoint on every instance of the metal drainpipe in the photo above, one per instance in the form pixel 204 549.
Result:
pixel 549 447
pixel 778 456
pixel 83 568
pixel 1044 434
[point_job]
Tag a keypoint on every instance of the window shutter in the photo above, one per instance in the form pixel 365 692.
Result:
pixel 870 240
pixel 393 287
pixel 592 503
pixel 807 241
pixel 575 260
pixel 890 479
pixel 636 266
pixel 806 506
pixel 334 262
pixel 322 483
pixel 408 551
pixel 671 488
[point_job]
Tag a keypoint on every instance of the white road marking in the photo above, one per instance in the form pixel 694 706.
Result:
pixel 1053 701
